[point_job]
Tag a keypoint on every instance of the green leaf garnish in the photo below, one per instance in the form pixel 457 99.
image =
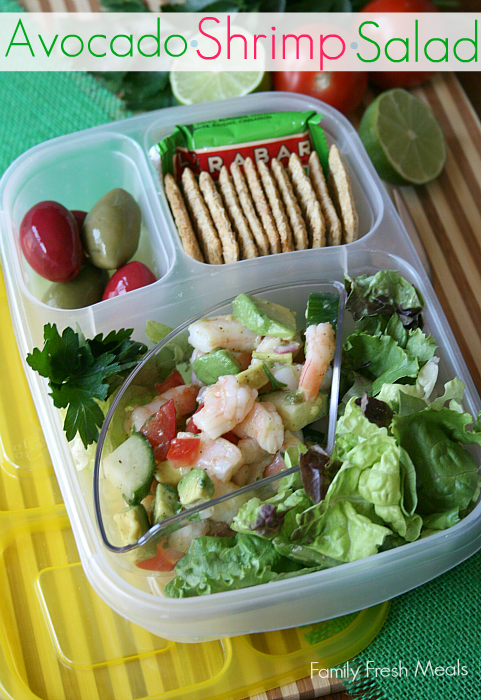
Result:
pixel 276 384
pixel 83 372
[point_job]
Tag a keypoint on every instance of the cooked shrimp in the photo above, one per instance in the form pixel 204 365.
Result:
pixel 278 346
pixel 255 461
pixel 227 510
pixel 288 375
pixel 219 458
pixel 320 347
pixel 264 424
pixel 222 332
pixel 184 401
pixel 182 539
pixel 226 403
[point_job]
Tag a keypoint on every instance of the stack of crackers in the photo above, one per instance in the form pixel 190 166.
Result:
pixel 263 210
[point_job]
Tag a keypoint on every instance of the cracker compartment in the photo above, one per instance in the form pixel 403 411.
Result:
pixel 257 209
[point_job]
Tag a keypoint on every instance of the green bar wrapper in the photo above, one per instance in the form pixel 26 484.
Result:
pixel 208 146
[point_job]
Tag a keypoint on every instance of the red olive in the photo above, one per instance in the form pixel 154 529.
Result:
pixel 50 241
pixel 131 276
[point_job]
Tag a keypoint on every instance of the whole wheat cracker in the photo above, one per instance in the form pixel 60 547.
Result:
pixel 181 218
pixel 341 192
pixel 277 207
pixel 230 248
pixel 249 210
pixel 201 217
pixel 298 225
pixel 245 239
pixel 310 206
pixel 262 206
pixel 333 223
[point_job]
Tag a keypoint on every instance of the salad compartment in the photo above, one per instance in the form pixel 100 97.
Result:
pixel 79 169
pixel 156 366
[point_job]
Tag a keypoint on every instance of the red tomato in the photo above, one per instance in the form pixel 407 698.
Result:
pixel 160 430
pixel 174 379
pixel 342 90
pixel 403 79
pixel 50 241
pixel 183 451
pixel 127 278
pixel 191 426
pixel 165 559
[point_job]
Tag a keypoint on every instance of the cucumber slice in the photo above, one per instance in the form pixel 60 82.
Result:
pixel 322 307
pixel 130 468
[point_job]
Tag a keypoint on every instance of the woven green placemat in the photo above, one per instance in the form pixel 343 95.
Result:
pixel 430 645
pixel 35 106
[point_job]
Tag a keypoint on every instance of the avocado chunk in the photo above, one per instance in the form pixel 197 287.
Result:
pixel 264 317
pixel 297 414
pixel 195 486
pixel 133 522
pixel 167 474
pixel 166 503
pixel 254 376
pixel 284 358
pixel 208 368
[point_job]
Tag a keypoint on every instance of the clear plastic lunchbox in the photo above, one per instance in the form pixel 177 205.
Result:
pixel 77 170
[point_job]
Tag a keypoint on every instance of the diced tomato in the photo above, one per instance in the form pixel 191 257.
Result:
pixel 191 426
pixel 184 451
pixel 231 437
pixel 275 466
pixel 160 430
pixel 165 559
pixel 174 379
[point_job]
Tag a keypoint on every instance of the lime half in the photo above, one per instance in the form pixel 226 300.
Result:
pixel 205 86
pixel 403 138
pixel 191 83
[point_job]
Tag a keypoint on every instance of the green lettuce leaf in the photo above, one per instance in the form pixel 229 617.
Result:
pixel 289 500
pixel 215 564
pixel 372 496
pixel 447 474
pixel 380 358
pixel 422 389
pixel 441 521
pixel 174 354
pixel 383 294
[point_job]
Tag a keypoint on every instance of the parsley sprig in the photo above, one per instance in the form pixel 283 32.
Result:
pixel 82 372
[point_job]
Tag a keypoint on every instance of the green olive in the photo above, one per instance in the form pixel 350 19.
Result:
pixel 85 289
pixel 111 230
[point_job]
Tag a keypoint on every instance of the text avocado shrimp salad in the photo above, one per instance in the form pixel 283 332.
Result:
pixel 240 398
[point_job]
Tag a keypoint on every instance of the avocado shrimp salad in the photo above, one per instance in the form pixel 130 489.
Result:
pixel 236 403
